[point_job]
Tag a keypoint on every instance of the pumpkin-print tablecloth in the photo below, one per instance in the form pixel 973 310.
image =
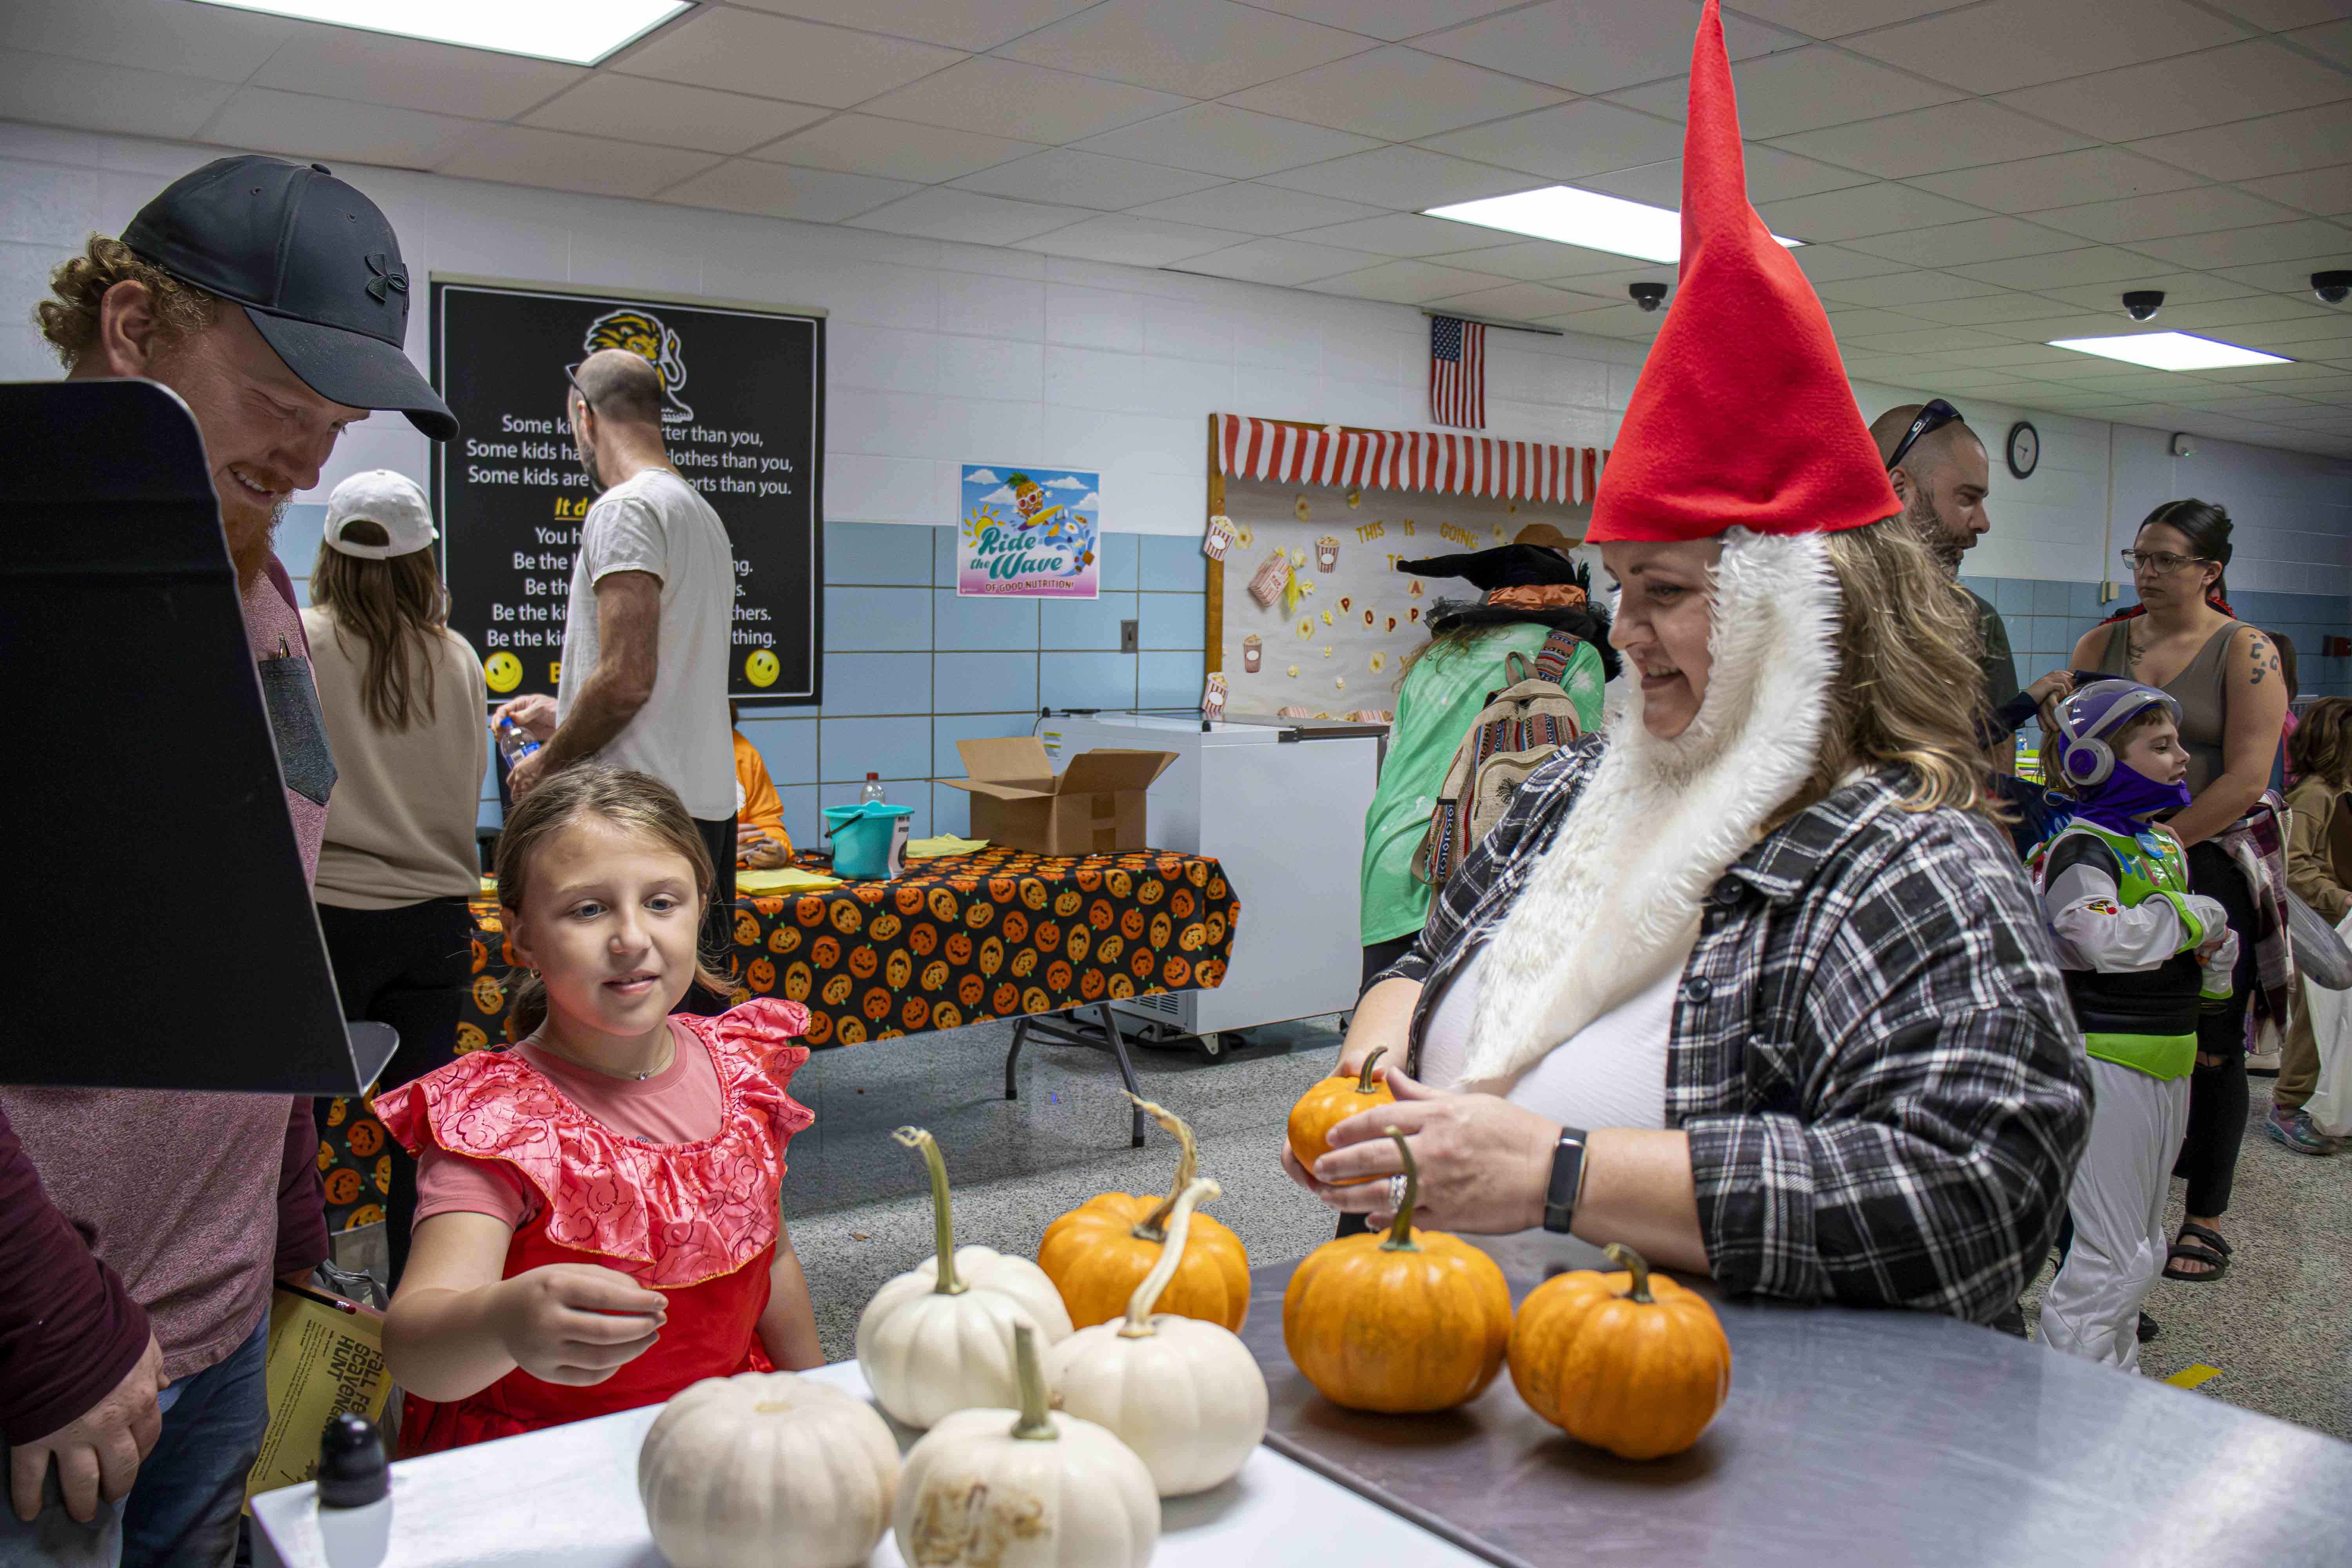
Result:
pixel 960 940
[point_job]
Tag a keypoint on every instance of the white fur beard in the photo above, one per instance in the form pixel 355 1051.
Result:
pixel 1660 821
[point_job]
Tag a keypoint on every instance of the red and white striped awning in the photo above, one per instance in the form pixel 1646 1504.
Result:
pixel 1407 460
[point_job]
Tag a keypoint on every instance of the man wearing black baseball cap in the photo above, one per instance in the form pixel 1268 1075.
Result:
pixel 272 298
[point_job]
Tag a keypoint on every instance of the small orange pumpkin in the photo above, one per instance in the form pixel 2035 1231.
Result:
pixel 1047 936
pixel 1015 926
pixel 820 1029
pixel 836 990
pixel 1099 1252
pixel 848 917
pixel 882 928
pixel 1035 1000
pixel 946 1015
pixel 909 900
pixel 747 929
pixel 1081 937
pixel 992 954
pixel 959 948
pixel 970 989
pixel 826 952
pixel 1332 1101
pixel 1174 971
pixel 1006 1000
pixel 923 939
pixel 862 961
pixel 761 976
pixel 915 1012
pixel 1632 1362
pixel 809 911
pixel 877 1004
pixel 1409 1322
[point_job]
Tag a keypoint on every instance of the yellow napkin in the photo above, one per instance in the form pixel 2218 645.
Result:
pixel 784 879
pixel 944 844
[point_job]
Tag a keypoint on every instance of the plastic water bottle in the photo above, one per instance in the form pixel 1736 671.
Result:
pixel 514 741
pixel 872 794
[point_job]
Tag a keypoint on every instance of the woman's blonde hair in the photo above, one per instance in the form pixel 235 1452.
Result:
pixel 397 608
pixel 633 802
pixel 70 317
pixel 1908 682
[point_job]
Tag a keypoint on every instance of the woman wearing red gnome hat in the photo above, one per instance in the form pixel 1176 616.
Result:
pixel 1763 938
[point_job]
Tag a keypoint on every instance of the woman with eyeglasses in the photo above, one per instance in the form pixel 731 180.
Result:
pixel 2183 639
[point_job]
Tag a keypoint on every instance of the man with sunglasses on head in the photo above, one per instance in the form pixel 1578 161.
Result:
pixel 1941 473
pixel 644 678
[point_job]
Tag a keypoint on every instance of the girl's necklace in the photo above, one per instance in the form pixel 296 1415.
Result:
pixel 670 1038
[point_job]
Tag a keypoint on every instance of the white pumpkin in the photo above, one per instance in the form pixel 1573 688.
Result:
pixel 767 1470
pixel 933 1341
pixel 1030 1488
pixel 1184 1393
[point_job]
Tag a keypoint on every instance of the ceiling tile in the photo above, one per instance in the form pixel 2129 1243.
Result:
pixel 2283 337
pixel 2276 276
pixel 1976 239
pixel 371 68
pixel 1219 138
pixel 777 57
pixel 1567 44
pixel 894 149
pixel 308 127
pixel 974 25
pixel 1255 209
pixel 1881 208
pixel 2062 179
pixel 2160 217
pixel 1540 261
pixel 2180 288
pixel 1927 141
pixel 2274 144
pixel 1006 98
pixel 1128 241
pixel 1835 18
pixel 2327 191
pixel 1802 89
pixel 1828 263
pixel 1991 309
pixel 1283 261
pixel 559 160
pixel 1899 289
pixel 1401 177
pixel 1206 49
pixel 2211 87
pixel 169 36
pixel 2093 264
pixel 1925 339
pixel 941 212
pixel 772 190
pixel 1627 321
pixel 2221 314
pixel 54 90
pixel 2019 43
pixel 1389 19
pixel 2306 238
pixel 1587 137
pixel 1397 94
pixel 1518 303
pixel 1852 323
pixel 1772 176
pixel 638 109
pixel 1084 179
pixel 1406 282
pixel 2331 39
pixel 1406 233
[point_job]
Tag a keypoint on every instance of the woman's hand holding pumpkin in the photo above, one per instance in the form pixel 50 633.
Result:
pixel 1485 1163
pixel 577 1323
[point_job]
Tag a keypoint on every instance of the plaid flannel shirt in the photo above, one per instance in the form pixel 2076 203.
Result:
pixel 1871 1049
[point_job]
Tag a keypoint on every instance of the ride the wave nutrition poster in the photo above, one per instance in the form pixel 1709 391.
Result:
pixel 1029 532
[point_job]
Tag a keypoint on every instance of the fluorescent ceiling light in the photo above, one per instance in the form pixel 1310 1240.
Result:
pixel 2169 351
pixel 577 32
pixel 1582 217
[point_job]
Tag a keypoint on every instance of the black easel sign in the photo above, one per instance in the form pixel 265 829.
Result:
pixel 743 413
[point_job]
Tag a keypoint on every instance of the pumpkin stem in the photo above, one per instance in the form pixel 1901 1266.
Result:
pixel 1154 1225
pixel 1030 1373
pixel 1400 1232
pixel 1632 1262
pixel 1180 1225
pixel 1365 1082
pixel 943 1221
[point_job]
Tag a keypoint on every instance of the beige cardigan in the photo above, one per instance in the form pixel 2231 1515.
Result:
pixel 2315 861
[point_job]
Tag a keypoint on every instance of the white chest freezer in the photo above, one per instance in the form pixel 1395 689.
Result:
pixel 1281 806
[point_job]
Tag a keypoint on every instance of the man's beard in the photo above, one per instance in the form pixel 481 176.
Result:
pixel 1921 515
pixel 249 548
pixel 586 452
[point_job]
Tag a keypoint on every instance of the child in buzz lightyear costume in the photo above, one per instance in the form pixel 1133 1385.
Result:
pixel 2141 954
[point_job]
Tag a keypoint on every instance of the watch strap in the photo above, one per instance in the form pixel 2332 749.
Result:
pixel 1567 1179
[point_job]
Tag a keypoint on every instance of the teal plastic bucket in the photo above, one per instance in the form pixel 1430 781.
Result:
pixel 862 836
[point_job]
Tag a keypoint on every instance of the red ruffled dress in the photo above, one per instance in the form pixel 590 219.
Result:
pixel 696 1221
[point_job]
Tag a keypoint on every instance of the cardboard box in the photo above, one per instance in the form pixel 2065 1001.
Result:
pixel 1091 807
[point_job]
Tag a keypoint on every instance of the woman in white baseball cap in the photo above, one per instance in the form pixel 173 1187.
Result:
pixel 402 697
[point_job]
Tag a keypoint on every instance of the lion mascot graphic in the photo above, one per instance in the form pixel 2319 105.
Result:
pixel 643 334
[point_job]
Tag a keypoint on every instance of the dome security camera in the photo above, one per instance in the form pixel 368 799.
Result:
pixel 2142 304
pixel 2333 287
pixel 1650 296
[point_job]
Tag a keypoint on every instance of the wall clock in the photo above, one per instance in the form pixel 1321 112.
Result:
pixel 2024 448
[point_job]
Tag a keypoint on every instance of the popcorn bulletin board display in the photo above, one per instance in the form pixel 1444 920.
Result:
pixel 1309 617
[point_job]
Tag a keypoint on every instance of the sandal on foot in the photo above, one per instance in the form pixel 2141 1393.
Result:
pixel 2214 1256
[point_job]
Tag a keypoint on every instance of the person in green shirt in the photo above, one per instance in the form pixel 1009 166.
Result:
pixel 1530 589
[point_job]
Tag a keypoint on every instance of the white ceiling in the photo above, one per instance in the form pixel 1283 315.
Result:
pixel 1974 178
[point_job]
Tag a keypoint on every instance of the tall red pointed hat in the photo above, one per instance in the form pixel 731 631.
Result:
pixel 1742 417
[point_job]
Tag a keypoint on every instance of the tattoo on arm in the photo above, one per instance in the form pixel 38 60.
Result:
pixel 2263 654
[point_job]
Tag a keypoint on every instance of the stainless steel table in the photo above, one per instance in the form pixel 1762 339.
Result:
pixel 1850 1437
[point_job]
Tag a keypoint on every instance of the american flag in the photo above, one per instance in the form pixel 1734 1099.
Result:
pixel 1458 373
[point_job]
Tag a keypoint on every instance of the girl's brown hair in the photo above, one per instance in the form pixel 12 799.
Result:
pixel 398 609
pixel 634 802
pixel 2321 746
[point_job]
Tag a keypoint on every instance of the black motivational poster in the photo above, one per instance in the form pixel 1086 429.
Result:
pixel 743 415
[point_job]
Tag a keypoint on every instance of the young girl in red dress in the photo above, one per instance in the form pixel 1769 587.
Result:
pixel 597 1223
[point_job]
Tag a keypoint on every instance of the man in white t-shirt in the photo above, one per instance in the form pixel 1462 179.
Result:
pixel 643 680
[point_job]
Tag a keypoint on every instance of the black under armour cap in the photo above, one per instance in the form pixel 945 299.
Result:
pixel 316 266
